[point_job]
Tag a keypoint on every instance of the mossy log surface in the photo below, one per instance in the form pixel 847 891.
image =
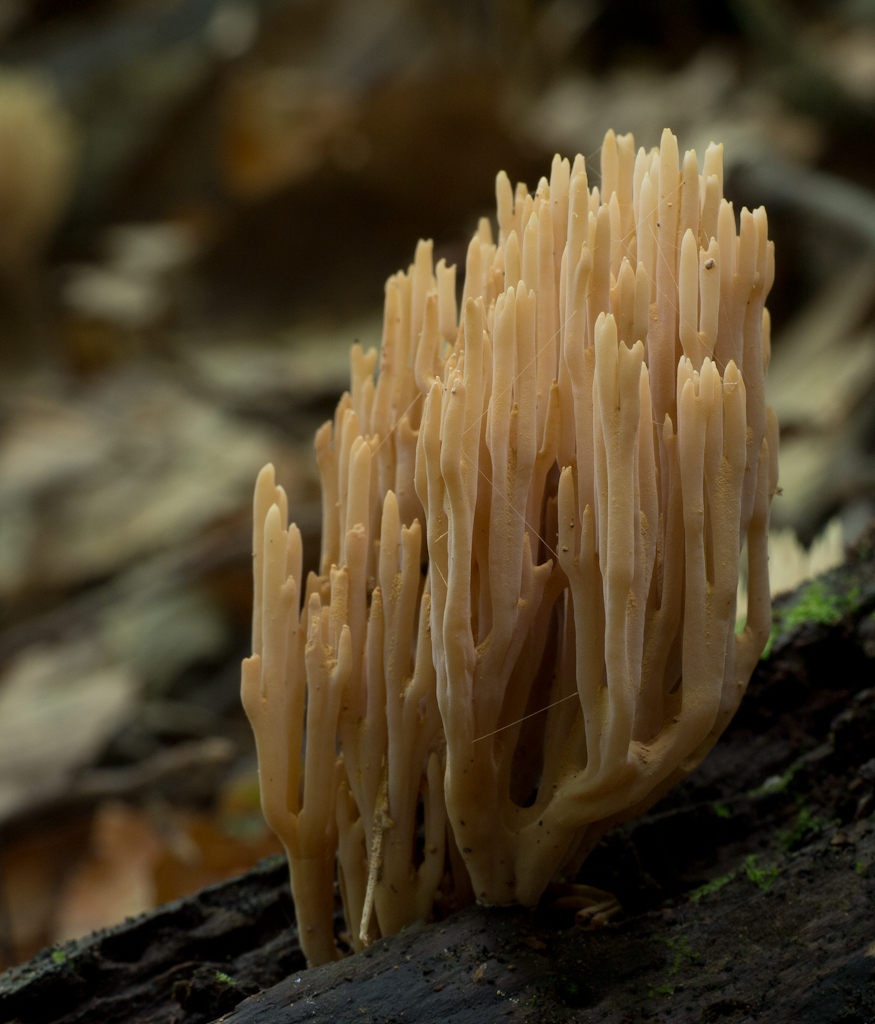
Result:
pixel 748 892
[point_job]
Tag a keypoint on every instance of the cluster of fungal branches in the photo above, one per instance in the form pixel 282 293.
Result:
pixel 522 630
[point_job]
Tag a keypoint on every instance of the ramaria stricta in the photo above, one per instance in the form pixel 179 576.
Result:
pixel 522 632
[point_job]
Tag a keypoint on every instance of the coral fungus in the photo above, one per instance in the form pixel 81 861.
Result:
pixel 522 631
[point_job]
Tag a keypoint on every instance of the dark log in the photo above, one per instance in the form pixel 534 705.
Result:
pixel 749 893
pixel 169 961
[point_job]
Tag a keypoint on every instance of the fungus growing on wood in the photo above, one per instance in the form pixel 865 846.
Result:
pixel 585 450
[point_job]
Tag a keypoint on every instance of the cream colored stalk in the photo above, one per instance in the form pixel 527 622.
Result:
pixel 299 658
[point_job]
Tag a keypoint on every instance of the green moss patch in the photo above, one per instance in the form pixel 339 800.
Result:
pixel 814 603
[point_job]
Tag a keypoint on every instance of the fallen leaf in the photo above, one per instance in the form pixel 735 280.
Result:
pixel 116 880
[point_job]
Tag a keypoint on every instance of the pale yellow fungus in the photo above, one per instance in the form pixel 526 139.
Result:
pixel 580 455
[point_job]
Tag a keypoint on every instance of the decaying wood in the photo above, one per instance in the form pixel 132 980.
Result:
pixel 167 961
pixel 784 931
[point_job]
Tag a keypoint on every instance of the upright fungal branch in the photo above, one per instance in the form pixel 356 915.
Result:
pixel 300 666
pixel 588 447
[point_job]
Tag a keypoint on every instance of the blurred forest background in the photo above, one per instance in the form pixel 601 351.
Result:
pixel 200 201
